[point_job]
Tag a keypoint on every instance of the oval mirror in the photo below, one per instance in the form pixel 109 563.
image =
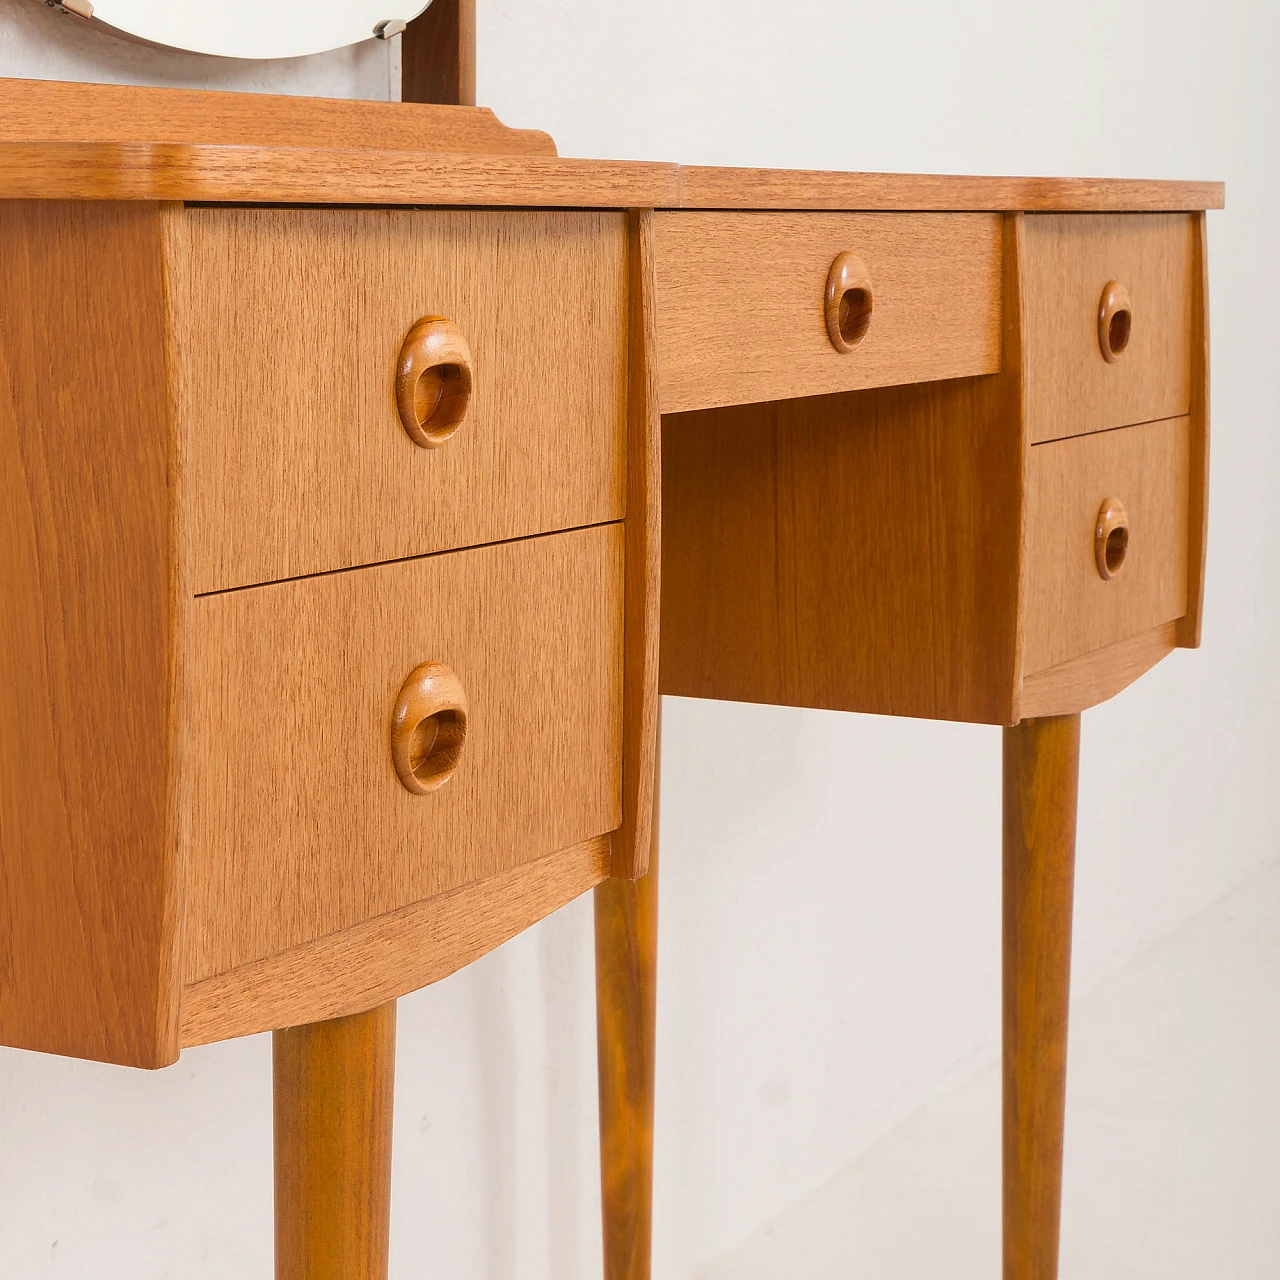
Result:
pixel 249 28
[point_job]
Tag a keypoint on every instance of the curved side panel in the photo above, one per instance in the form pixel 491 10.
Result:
pixel 1085 681
pixel 382 959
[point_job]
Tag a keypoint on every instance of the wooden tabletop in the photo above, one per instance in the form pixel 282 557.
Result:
pixel 117 142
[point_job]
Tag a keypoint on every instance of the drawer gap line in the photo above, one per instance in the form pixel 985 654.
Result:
pixel 1106 431
pixel 426 555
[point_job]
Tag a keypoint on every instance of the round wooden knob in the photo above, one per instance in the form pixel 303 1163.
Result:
pixel 1115 321
pixel 1111 538
pixel 848 302
pixel 428 728
pixel 433 381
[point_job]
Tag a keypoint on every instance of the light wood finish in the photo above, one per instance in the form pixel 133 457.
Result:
pixel 1041 772
pixel 92 634
pixel 310 308
pixel 1094 677
pixel 1071 387
pixel 97 155
pixel 1070 608
pixel 59 110
pixel 626 919
pixel 334 1084
pixel 1115 321
pixel 899 599
pixel 438 54
pixel 644 552
pixel 848 302
pixel 1198 514
pixel 340 175
pixel 433 381
pixel 810 190
pixel 741 299
pixel 1111 538
pixel 903 602
pixel 300 827
pixel 391 955
pixel 428 728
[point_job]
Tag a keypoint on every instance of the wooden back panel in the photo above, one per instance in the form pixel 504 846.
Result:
pixel 855 552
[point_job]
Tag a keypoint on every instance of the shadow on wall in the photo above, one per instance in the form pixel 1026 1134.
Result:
pixel 40 43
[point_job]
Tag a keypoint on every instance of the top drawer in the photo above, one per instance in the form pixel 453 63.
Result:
pixel 289 327
pixel 1091 366
pixel 742 302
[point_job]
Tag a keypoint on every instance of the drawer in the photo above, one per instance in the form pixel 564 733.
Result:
pixel 1072 607
pixel 742 302
pixel 300 825
pixel 289 325
pixel 1108 312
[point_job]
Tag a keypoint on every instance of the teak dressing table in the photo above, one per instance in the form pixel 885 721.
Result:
pixel 359 460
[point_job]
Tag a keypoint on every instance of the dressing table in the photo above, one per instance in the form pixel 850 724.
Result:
pixel 369 470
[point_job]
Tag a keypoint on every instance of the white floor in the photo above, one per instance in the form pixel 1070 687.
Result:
pixel 1172 1149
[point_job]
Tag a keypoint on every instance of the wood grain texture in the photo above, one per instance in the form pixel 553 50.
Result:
pixel 59 110
pixel 391 955
pixel 741 303
pixel 433 380
pixel 428 728
pixel 300 827
pixel 1070 609
pixel 857 552
pixel 334 1085
pixel 626 921
pixel 644 554
pixel 91 575
pixel 1071 387
pixel 291 325
pixel 1083 682
pixel 438 54
pixel 707 187
pixel 95 170
pixel 1041 775
pixel 1198 514
pixel 360 175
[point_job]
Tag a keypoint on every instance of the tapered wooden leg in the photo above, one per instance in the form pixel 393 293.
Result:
pixel 334 1085
pixel 626 1005
pixel 1041 769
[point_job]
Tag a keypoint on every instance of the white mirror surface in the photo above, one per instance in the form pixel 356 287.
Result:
pixel 252 28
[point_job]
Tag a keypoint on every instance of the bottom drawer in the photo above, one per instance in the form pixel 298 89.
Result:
pixel 300 825
pixel 1072 606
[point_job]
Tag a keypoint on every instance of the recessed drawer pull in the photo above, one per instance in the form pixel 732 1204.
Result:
pixel 1115 321
pixel 848 302
pixel 1111 538
pixel 433 381
pixel 428 728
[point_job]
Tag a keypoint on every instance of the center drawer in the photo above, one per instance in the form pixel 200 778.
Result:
pixel 291 329
pixel 756 306
pixel 300 823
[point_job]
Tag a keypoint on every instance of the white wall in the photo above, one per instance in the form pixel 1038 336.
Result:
pixel 831 883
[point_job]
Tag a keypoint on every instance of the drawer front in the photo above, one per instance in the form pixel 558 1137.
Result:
pixel 290 325
pixel 1071 607
pixel 300 825
pixel 742 313
pixel 1070 260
